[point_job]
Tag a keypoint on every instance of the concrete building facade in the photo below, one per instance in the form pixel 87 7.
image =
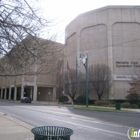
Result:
pixel 40 87
pixel 111 36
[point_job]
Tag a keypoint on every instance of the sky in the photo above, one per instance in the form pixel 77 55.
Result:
pixel 62 12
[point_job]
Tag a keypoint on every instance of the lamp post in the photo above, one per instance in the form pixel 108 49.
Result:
pixel 63 92
pixel 85 62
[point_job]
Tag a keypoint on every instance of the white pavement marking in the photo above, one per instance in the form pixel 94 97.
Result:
pixel 94 120
pixel 89 127
pixel 56 112
pixel 99 122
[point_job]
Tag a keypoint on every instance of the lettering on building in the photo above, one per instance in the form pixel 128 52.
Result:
pixel 127 64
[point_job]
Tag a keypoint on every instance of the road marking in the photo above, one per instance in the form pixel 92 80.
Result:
pixel 56 112
pixel 89 127
pixel 100 122
pixel 94 120
pixel 72 115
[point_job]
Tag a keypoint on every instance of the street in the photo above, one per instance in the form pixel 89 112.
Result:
pixel 87 125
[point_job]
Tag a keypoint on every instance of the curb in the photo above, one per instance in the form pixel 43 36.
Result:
pixel 17 121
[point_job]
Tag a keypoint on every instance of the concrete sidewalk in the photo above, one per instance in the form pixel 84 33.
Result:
pixel 70 105
pixel 55 103
pixel 13 129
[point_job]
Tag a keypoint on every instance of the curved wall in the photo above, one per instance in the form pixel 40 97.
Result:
pixel 110 35
pixel 70 50
pixel 126 45
pixel 94 41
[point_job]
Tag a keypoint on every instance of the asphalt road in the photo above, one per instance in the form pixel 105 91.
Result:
pixel 87 125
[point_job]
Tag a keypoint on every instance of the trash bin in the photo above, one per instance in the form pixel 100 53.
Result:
pixel 118 105
pixel 52 133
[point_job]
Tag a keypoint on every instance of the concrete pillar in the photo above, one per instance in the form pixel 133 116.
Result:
pixel 9 93
pixel 1 92
pixel 35 93
pixel 5 93
pixel 22 91
pixel 54 93
pixel 31 93
pixel 15 93
pixel 110 58
pixel 35 86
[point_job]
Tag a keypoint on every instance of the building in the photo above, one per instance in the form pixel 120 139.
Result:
pixel 110 35
pixel 41 79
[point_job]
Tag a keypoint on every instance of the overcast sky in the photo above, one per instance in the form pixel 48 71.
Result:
pixel 64 11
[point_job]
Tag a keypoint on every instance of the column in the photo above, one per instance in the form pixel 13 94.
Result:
pixel 22 91
pixel 15 93
pixel 54 93
pixel 1 92
pixel 9 93
pixel 35 93
pixel 31 92
pixel 5 93
pixel 110 58
pixel 35 86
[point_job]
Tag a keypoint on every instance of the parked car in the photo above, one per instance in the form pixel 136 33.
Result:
pixel 26 100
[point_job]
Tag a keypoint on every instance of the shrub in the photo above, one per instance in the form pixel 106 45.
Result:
pixel 102 103
pixel 134 106
pixel 120 100
pixel 112 102
pixel 63 99
pixel 81 99
pixel 125 105
pixel 138 103
pixel 133 96
pixel 112 105
pixel 91 102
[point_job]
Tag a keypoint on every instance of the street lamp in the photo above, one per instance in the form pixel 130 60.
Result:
pixel 63 92
pixel 84 58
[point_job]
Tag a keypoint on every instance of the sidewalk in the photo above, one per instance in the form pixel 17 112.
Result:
pixel 13 129
pixel 55 103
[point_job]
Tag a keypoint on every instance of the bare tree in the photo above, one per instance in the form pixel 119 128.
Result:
pixel 100 78
pixel 20 47
pixel 82 85
pixel 135 86
pixel 71 83
pixel 60 78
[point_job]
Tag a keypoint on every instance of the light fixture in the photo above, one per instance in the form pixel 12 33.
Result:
pixel 85 63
